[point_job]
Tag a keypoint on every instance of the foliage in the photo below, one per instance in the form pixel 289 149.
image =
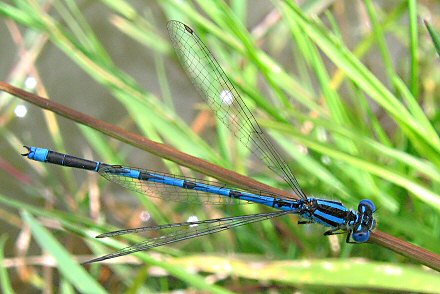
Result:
pixel 353 105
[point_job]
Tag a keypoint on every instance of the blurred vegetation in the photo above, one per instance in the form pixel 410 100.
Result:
pixel 348 90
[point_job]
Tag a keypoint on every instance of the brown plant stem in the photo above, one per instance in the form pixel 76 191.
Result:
pixel 407 249
pixel 397 245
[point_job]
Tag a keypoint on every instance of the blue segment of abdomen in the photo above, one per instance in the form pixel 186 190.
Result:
pixel 38 154
pixel 126 172
pixel 222 191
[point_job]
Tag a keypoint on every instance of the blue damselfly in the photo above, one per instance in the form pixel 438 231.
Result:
pixel 224 100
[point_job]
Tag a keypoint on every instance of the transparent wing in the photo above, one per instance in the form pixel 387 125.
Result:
pixel 172 233
pixel 196 191
pixel 213 84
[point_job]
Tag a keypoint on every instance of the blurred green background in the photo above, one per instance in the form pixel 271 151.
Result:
pixel 349 90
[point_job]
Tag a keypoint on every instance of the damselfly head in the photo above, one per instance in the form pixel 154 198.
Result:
pixel 366 222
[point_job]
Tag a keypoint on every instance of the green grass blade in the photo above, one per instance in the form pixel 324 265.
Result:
pixel 80 225
pixel 380 39
pixel 71 270
pixel 414 48
pixel 350 273
pixel 435 36
pixel 367 81
pixel 5 282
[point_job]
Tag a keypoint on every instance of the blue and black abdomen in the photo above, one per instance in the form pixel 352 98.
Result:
pixel 171 187
pixel 146 181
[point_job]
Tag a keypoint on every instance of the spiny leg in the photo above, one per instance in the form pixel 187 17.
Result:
pixel 304 222
pixel 334 231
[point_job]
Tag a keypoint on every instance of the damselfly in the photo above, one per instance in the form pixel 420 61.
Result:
pixel 220 94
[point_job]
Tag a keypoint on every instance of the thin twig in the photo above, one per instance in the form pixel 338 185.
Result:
pixel 402 247
pixel 407 249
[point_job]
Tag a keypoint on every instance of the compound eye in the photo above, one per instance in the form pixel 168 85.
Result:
pixel 368 203
pixel 361 237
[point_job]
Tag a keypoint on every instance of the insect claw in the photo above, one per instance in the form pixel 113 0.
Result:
pixel 28 149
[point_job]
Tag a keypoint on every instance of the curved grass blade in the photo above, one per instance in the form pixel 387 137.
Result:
pixel 71 271
pixel 435 36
